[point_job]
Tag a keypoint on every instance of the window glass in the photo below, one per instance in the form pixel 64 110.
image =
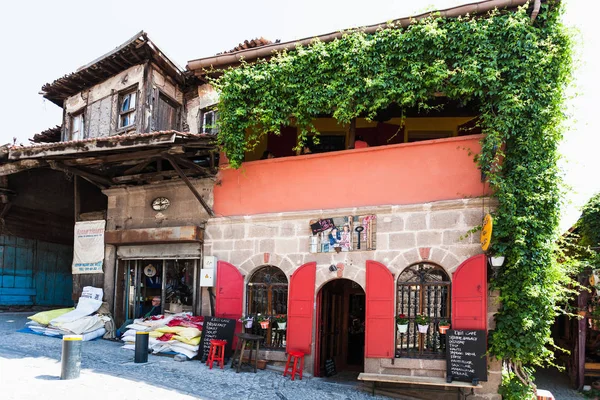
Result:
pixel 209 120
pixel 127 109
pixel 267 294
pixel 77 126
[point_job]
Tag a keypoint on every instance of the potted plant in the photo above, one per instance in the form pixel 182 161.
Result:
pixel 281 320
pixel 402 323
pixel 247 321
pixel 422 321
pixel 263 320
pixel 443 326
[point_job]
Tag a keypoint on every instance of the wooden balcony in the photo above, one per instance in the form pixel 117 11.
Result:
pixel 407 173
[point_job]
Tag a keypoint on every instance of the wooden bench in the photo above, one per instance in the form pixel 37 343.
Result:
pixel 418 380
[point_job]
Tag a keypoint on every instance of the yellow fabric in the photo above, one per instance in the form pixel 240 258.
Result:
pixel 193 341
pixel 190 333
pixel 44 317
pixel 170 329
pixel 156 334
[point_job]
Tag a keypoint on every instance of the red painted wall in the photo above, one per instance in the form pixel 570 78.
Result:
pixel 406 173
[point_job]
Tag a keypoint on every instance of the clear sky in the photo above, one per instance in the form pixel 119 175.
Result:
pixel 44 40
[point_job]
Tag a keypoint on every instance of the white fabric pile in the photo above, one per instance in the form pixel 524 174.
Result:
pixel 182 340
pixel 69 321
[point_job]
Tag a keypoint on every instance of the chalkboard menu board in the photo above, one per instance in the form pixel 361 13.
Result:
pixel 216 328
pixel 465 355
pixel 330 367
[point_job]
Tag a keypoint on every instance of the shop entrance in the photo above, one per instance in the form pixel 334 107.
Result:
pixel 173 280
pixel 341 328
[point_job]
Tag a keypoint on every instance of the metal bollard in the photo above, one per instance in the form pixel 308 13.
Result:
pixel 141 347
pixel 71 357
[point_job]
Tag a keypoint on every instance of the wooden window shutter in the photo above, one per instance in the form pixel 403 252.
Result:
pixel 230 294
pixel 469 294
pixel 300 308
pixel 379 325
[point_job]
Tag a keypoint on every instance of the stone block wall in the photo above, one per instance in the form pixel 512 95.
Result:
pixel 130 207
pixel 437 232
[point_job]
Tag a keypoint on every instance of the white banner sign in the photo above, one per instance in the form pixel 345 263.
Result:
pixel 88 248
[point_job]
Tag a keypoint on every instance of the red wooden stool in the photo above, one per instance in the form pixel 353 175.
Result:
pixel 216 352
pixel 295 355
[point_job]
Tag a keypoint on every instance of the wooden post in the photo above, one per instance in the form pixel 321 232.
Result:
pixel 582 301
pixel 352 133
pixel 76 199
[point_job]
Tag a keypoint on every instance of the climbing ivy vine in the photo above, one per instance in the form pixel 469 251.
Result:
pixel 515 69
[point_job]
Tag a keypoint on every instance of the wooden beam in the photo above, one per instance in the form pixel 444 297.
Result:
pixel 139 155
pixel 173 162
pixel 189 164
pixel 18 166
pixel 100 181
pixel 146 176
pixel 138 168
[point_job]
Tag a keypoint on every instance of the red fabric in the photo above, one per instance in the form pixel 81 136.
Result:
pixel 300 308
pixel 188 322
pixel 469 294
pixel 379 324
pixel 360 144
pixel 166 337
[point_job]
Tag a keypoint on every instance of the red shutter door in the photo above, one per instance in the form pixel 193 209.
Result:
pixel 379 329
pixel 300 308
pixel 230 292
pixel 469 294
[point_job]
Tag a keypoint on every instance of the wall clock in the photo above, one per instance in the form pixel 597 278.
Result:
pixel 160 203
pixel 150 270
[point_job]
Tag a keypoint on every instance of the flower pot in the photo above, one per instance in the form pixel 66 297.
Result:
pixel 402 328
pixel 282 325
pixel 443 329
pixel 264 324
pixel 249 324
pixel 423 328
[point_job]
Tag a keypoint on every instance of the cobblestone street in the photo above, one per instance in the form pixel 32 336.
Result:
pixel 30 368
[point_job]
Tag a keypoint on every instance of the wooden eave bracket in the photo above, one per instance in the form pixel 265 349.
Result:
pixel 94 179
pixel 173 161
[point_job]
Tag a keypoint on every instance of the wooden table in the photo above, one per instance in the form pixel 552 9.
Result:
pixel 238 355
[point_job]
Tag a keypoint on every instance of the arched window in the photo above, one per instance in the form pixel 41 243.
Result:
pixel 423 288
pixel 267 294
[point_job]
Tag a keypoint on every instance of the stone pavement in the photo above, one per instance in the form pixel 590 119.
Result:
pixel 556 382
pixel 30 369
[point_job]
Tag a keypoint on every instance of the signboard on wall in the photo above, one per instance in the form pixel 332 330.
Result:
pixel 88 247
pixel 347 233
